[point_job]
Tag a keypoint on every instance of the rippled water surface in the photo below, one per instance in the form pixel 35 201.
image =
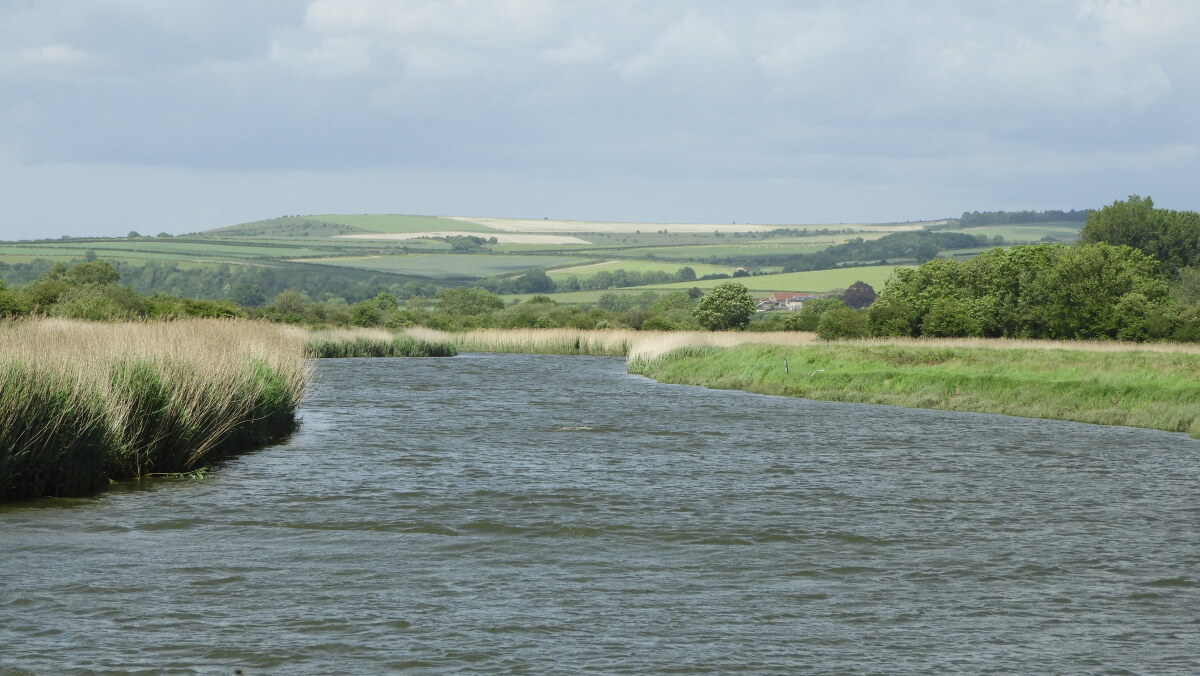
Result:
pixel 501 514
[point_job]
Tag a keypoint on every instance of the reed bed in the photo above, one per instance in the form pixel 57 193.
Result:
pixel 603 342
pixel 1150 386
pixel 340 343
pixel 83 403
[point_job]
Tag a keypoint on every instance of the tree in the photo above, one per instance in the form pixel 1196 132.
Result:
pixel 10 304
pixel 385 301
pixel 97 273
pixel 859 295
pixel 366 313
pixel 1075 298
pixel 950 318
pixel 1128 222
pixel 686 274
pixel 842 323
pixel 291 305
pixel 243 293
pixel 728 306
pixel 1039 291
pixel 468 301
pixel 535 281
pixel 1170 237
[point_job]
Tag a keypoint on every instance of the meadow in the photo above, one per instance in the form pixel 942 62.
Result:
pixel 813 281
pixel 1065 231
pixel 1151 386
pixel 589 270
pixel 388 223
pixel 451 266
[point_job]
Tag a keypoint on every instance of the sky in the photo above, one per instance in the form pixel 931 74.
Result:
pixel 183 115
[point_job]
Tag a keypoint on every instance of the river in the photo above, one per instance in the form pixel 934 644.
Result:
pixel 523 514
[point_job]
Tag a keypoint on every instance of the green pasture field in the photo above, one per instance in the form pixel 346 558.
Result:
pixel 400 223
pixel 685 254
pixel 783 246
pixel 581 297
pixel 123 248
pixel 963 255
pixel 1066 231
pixel 77 254
pixel 588 270
pixel 451 266
pixel 513 247
pixel 814 281
pixel 190 248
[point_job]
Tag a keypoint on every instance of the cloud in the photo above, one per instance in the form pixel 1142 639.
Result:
pixel 571 91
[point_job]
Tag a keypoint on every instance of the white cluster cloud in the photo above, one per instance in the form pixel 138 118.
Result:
pixel 648 90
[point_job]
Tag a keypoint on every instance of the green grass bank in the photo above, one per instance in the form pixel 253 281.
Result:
pixel 1105 385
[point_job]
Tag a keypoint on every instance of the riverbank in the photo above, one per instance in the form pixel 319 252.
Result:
pixel 1149 386
pixel 599 342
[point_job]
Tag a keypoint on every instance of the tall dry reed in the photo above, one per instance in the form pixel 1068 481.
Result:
pixel 368 342
pixel 537 341
pixel 84 402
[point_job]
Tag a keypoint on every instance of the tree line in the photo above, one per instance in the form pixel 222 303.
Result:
pixel 979 218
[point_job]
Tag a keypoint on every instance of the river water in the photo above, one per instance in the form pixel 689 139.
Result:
pixel 513 514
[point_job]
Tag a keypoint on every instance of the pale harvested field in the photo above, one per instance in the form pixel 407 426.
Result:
pixel 540 225
pixel 502 238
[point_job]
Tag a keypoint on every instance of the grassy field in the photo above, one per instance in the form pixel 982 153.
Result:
pixel 450 266
pixel 1066 231
pixel 178 250
pixel 588 270
pixel 1109 384
pixel 814 281
pixel 720 250
pixel 400 223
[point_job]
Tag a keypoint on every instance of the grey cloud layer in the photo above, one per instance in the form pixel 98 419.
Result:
pixel 865 92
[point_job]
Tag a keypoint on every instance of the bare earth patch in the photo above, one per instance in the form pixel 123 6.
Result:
pixel 502 238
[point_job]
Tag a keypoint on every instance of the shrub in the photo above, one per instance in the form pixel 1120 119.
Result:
pixel 843 323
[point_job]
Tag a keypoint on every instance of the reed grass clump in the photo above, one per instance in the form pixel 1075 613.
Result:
pixel 598 342
pixel 374 343
pixel 82 403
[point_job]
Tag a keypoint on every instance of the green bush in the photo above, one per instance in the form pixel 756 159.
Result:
pixel 100 304
pixel 843 323
pixel 949 318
